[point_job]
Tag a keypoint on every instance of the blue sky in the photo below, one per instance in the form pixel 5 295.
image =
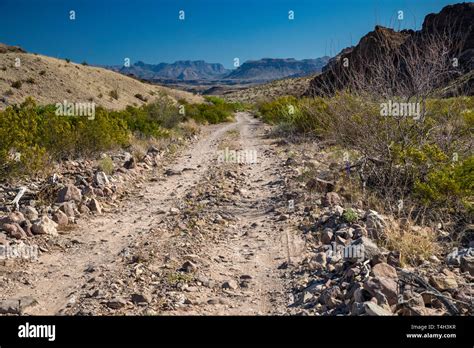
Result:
pixel 107 31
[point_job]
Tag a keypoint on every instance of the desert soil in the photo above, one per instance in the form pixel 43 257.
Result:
pixel 195 238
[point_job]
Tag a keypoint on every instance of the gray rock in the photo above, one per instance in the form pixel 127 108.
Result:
pixel 101 179
pixel 454 257
pixel 31 213
pixel 69 193
pixel 375 223
pixel 367 247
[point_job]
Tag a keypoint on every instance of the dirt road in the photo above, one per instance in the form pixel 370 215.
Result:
pixel 234 259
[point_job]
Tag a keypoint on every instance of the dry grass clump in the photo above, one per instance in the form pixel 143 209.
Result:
pixel 414 243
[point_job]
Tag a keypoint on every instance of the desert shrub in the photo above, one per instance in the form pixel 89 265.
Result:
pixel 427 162
pixel 16 84
pixel 415 245
pixel 106 165
pixel 448 186
pixel 67 60
pixel 114 94
pixel 215 100
pixel 85 63
pixel 163 111
pixel 216 110
pixel 8 93
pixel 279 110
pixel 141 97
pixel 350 215
pixel 42 72
pixel 41 136
pixel 30 80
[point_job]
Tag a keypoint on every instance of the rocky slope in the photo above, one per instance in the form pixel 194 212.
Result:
pixel 386 44
pixel 50 81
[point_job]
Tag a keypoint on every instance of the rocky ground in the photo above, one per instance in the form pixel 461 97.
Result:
pixel 197 233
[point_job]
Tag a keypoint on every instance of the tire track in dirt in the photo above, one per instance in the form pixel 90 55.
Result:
pixel 98 241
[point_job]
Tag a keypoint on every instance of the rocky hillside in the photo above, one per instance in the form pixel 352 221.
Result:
pixel 51 80
pixel 271 69
pixel 180 70
pixel 397 48
pixel 295 86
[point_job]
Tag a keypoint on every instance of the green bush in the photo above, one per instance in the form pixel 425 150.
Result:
pixel 41 136
pixel 214 112
pixel 404 158
pixel 106 165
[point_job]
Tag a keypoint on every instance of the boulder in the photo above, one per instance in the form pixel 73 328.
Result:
pixel 94 206
pixel 374 309
pixel 69 193
pixel 31 213
pixel 101 179
pixel 384 270
pixel 375 223
pixel 12 218
pixel 367 247
pixel 14 231
pixel 326 236
pixel 443 282
pixel 45 225
pixel 386 286
pixel 68 208
pixel 60 218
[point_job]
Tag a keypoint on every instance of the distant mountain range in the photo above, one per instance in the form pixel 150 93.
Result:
pixel 271 69
pixel 262 70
